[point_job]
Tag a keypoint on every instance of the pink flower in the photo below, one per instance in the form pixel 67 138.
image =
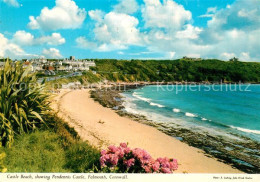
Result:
pixel 124 145
pixel 166 170
pixel 174 164
pixel 107 156
pixel 156 166
pixel 159 159
pixel 102 161
pixel 120 152
pixel 114 156
pixel 103 152
pixel 141 154
pixel 164 162
pixel 147 169
pixel 129 162
pixel 112 148
pixel 114 160
pixel 127 150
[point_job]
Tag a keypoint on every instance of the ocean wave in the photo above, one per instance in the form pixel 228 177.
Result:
pixel 203 119
pixel 146 100
pixel 176 110
pixel 141 98
pixel 190 114
pixel 246 130
pixel 155 104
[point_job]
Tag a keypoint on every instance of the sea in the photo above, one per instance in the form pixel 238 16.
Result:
pixel 226 110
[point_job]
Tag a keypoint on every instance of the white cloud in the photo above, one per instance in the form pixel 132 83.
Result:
pixel 241 15
pixel 245 56
pixel 12 3
pixel 27 39
pixel 53 39
pixel 65 15
pixel 83 43
pixel 168 15
pixel 234 30
pixel 23 38
pixel 251 14
pixel 117 28
pixel 51 53
pixel 210 12
pixel 96 15
pixel 115 31
pixel 126 6
pixel 206 16
pixel 190 32
pixel 110 47
pixel 170 29
pixel 169 55
pixel 9 49
pixel 193 55
pixel 226 56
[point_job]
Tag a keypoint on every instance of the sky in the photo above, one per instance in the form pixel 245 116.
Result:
pixel 130 29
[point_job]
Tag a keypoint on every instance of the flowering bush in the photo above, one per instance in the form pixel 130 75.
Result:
pixel 122 159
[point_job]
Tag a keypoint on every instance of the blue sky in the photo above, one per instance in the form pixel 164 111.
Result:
pixel 130 29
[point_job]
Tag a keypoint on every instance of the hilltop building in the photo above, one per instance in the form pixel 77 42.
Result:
pixel 72 58
pixel 191 59
pixel 234 59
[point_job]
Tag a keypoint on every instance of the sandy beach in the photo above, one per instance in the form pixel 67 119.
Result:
pixel 102 127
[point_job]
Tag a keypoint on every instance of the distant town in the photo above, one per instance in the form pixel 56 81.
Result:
pixel 50 67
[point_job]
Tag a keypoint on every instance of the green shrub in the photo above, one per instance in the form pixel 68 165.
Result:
pixel 82 157
pixel 55 124
pixel 23 102
pixel 39 151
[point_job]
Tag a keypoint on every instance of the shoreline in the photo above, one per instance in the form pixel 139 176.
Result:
pixel 239 154
pixel 102 127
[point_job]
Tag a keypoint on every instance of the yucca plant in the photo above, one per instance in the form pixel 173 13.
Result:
pixel 23 102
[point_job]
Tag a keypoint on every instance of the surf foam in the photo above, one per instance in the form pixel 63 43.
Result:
pixel 176 110
pixel 155 104
pixel 246 130
pixel 190 114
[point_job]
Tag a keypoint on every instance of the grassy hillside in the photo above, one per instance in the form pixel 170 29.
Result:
pixel 55 148
pixel 178 70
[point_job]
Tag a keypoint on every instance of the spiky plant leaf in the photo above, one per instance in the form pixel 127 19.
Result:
pixel 22 102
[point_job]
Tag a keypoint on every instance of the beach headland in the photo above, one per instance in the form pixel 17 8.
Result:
pixel 102 126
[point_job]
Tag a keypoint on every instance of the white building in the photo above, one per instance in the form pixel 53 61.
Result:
pixel 79 65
